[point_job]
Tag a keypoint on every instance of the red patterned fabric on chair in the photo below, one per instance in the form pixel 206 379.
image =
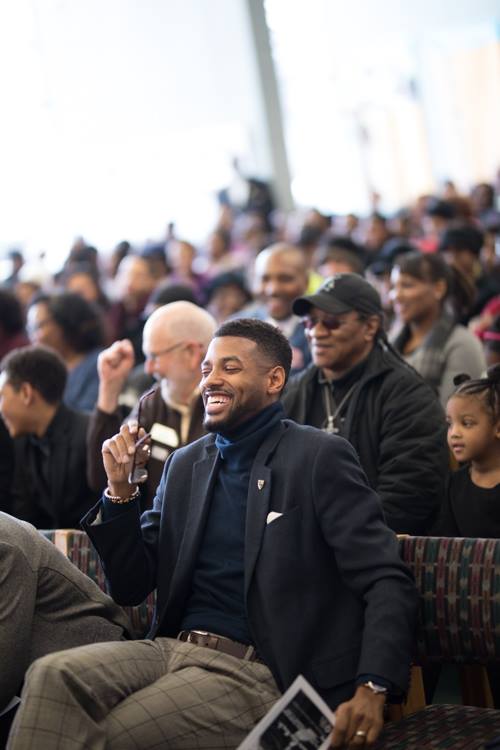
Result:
pixel 76 545
pixel 442 728
pixel 459 585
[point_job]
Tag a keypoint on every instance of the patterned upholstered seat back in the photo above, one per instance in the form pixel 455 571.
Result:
pixel 459 585
pixel 77 546
pixel 458 581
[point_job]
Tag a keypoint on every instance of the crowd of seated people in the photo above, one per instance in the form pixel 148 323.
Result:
pixel 433 264
pixel 383 314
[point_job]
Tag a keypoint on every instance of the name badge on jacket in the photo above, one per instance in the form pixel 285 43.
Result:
pixel 160 433
pixel 160 453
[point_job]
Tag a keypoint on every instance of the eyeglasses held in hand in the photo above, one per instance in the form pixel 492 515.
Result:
pixel 139 474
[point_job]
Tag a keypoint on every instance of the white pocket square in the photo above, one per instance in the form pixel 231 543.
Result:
pixel 272 516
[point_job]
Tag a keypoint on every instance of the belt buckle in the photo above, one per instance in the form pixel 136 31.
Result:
pixel 203 633
pixel 250 654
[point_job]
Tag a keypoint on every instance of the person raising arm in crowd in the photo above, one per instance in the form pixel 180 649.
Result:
pixel 175 339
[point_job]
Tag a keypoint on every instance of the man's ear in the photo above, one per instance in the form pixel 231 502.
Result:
pixel 372 325
pixel 497 429
pixel 196 353
pixel 26 391
pixel 276 380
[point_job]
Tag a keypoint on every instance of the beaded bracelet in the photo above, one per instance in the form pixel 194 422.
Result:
pixel 121 500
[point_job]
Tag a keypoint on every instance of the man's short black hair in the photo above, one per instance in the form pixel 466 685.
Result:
pixel 344 243
pixel 440 208
pixel 342 249
pixel 167 292
pixel 231 279
pixel 464 237
pixel 337 255
pixel 42 368
pixel 11 313
pixel 272 344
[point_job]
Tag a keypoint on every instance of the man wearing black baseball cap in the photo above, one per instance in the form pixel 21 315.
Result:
pixel 359 388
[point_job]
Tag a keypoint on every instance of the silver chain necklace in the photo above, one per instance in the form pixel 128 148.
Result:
pixel 331 418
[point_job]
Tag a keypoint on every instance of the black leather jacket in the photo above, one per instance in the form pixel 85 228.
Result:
pixel 397 426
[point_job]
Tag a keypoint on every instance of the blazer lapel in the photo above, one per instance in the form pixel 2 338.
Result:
pixel 259 496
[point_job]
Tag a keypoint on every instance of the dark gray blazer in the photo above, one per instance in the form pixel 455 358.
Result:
pixel 46 604
pixel 326 592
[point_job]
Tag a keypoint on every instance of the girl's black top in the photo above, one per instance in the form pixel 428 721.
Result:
pixel 469 510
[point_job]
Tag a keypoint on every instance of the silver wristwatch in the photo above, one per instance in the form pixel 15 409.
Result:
pixel 377 689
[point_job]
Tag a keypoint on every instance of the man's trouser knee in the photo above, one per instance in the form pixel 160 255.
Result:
pixel 141 694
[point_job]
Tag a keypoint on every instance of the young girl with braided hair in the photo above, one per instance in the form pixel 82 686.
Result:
pixel 472 503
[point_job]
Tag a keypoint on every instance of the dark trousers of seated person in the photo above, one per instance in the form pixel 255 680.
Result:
pixel 5 725
pixel 432 672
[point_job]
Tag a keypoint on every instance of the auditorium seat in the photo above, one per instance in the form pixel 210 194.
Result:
pixel 459 623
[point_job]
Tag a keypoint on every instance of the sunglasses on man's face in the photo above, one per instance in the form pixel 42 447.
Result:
pixel 330 322
pixel 139 474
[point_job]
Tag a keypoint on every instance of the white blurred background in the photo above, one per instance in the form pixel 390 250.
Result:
pixel 119 116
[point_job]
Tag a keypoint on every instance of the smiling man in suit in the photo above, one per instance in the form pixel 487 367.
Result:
pixel 270 558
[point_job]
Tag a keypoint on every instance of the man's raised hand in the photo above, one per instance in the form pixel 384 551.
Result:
pixel 113 366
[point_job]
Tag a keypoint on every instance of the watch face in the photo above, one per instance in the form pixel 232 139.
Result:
pixel 375 688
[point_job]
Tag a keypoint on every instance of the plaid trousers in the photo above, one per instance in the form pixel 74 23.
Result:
pixel 141 694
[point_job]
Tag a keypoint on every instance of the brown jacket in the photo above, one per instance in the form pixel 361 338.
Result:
pixel 154 410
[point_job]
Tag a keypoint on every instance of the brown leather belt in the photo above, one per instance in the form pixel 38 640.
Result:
pixel 219 643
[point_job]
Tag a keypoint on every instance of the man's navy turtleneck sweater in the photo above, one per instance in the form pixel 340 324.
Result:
pixel 217 601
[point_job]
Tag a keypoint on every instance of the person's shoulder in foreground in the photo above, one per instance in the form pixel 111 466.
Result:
pixel 63 590
pixel 46 604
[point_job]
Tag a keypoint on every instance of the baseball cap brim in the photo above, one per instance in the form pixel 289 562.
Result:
pixel 323 301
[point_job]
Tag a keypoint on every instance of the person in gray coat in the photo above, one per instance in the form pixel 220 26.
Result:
pixel 429 297
pixel 46 604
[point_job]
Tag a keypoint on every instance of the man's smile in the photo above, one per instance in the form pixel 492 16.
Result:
pixel 215 401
